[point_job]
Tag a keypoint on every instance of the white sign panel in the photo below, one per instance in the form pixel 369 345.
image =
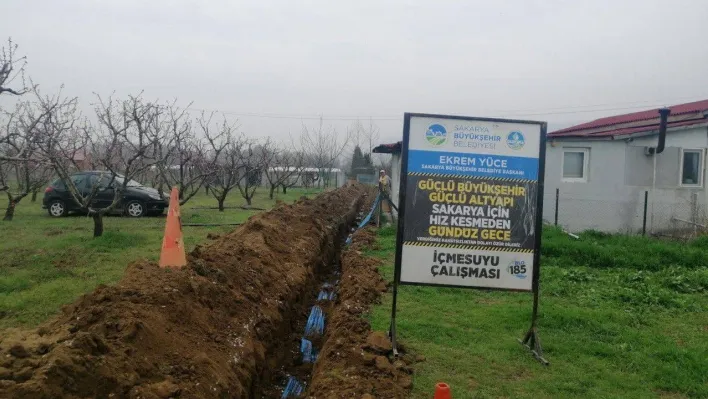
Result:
pixel 469 196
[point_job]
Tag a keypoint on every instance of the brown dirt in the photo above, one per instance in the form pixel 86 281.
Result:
pixel 354 361
pixel 211 330
pixel 293 364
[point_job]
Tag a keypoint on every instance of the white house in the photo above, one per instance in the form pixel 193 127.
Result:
pixel 603 169
pixel 395 150
pixel 309 176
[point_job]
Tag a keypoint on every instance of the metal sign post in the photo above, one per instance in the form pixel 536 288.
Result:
pixel 531 339
pixel 470 206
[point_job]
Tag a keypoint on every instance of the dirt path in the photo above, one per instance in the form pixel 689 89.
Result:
pixel 215 329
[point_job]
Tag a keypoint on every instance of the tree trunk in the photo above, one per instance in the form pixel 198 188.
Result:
pixel 10 211
pixel 97 224
pixel 221 204
pixel 206 190
pixel 248 200
pixel 34 196
pixel 285 189
pixel 272 191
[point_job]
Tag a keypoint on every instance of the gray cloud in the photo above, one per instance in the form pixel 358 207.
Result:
pixel 531 59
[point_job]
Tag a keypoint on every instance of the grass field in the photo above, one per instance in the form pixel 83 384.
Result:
pixel 48 262
pixel 620 317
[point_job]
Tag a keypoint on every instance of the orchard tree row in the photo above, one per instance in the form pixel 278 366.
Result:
pixel 44 136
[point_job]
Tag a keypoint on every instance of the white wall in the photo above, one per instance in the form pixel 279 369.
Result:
pixel 611 200
pixel 395 179
pixel 337 178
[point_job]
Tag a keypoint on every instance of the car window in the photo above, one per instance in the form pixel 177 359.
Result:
pixel 79 181
pixel 103 181
pixel 91 181
pixel 106 180
pixel 58 184
pixel 131 183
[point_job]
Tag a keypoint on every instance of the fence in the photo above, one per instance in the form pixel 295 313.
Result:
pixel 370 179
pixel 677 214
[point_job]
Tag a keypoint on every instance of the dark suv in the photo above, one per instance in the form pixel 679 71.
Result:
pixel 137 200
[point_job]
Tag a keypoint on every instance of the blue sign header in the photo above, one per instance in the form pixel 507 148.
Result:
pixel 477 165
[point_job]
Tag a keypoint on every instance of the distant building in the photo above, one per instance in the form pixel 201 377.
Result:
pixel 603 168
pixel 82 160
pixel 310 177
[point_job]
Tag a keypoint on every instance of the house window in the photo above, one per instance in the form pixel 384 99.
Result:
pixel 692 167
pixel 575 165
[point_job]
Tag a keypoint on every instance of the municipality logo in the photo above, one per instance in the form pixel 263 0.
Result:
pixel 515 140
pixel 436 134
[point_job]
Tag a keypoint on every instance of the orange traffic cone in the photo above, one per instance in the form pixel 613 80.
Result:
pixel 442 391
pixel 172 254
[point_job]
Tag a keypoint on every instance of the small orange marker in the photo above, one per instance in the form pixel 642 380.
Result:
pixel 442 391
pixel 172 254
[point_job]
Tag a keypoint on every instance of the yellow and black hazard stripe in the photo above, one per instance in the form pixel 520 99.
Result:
pixel 485 178
pixel 468 247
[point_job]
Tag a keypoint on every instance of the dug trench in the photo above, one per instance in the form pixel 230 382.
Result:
pixel 354 361
pixel 351 360
pixel 222 327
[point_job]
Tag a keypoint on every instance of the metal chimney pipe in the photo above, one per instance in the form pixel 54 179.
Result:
pixel 663 118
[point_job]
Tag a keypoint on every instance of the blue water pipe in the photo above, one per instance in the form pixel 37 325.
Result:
pixel 326 293
pixel 315 323
pixel 326 296
pixel 366 220
pixel 293 389
pixel 309 355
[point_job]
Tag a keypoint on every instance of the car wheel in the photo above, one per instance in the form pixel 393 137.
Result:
pixel 135 209
pixel 57 208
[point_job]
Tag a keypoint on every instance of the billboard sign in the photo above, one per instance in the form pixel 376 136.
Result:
pixel 470 202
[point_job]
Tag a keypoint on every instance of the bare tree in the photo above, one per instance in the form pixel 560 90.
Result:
pixel 4 178
pixel 282 168
pixel 32 115
pixel 293 173
pixel 365 136
pixel 12 68
pixel 225 151
pixel 4 175
pixel 384 162
pixel 6 151
pixel 24 170
pixel 323 147
pixel 271 159
pixel 61 136
pixel 253 160
pixel 186 165
pixel 131 132
pixel 124 144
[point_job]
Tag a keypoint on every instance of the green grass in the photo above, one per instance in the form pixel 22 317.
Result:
pixel 436 140
pixel 48 262
pixel 620 317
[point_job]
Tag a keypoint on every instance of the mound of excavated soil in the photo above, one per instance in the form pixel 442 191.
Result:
pixel 212 329
pixel 356 362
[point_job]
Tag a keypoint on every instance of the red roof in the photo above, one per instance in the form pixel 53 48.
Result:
pixel 387 148
pixel 637 122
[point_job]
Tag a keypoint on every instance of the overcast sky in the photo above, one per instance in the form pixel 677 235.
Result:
pixel 541 59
